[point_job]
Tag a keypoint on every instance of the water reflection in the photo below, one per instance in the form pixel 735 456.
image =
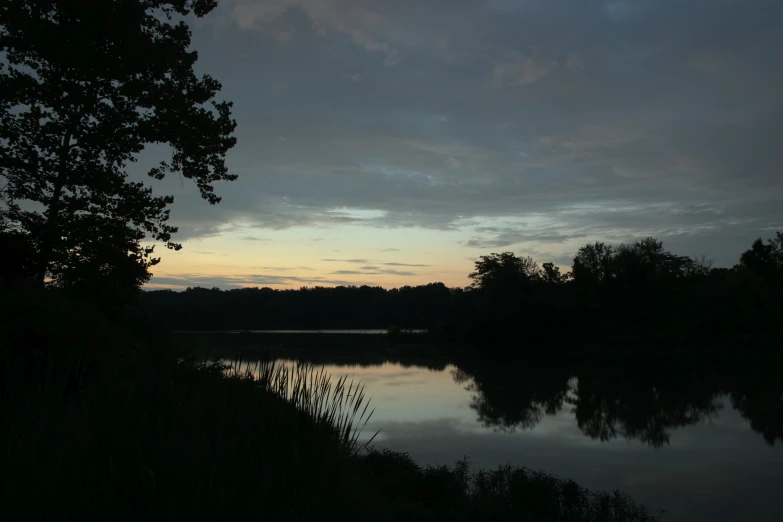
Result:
pixel 625 408
pixel 643 401
pixel 355 357
pixel 634 403
pixel 507 397
pixel 763 407
pixel 704 437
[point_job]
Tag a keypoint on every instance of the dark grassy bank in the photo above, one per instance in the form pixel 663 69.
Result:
pixel 110 421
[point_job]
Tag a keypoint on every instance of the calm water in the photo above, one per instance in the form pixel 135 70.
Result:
pixel 702 445
pixel 319 332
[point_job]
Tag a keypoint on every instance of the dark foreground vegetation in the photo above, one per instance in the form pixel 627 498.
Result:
pixel 111 421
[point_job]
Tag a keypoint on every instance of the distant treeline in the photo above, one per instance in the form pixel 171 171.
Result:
pixel 306 308
pixel 611 290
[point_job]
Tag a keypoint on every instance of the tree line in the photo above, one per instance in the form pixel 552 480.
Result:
pixel 418 307
pixel 637 287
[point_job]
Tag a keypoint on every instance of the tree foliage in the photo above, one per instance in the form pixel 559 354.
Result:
pixel 497 271
pixel 638 290
pixel 636 269
pixel 764 260
pixel 593 263
pixel 84 87
pixel 551 274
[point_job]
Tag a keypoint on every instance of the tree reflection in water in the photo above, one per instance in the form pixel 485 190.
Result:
pixel 509 397
pixel 763 409
pixel 638 402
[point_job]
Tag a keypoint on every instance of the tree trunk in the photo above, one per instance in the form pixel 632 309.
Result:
pixel 50 228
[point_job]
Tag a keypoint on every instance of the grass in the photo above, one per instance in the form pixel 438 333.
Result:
pixel 340 407
pixel 99 424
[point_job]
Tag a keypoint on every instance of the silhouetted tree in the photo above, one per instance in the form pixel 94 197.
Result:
pixel 701 266
pixel 497 271
pixel 505 292
pixel 646 274
pixel 764 260
pixel 551 274
pixel 593 264
pixel 110 267
pixel 85 86
pixel 646 261
pixel 17 260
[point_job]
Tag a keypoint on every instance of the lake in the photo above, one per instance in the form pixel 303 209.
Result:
pixel 703 443
pixel 364 331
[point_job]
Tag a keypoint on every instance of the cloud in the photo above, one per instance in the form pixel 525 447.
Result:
pixel 524 68
pixel 521 69
pixel 182 281
pixel 687 229
pixel 196 231
pixel 393 58
pixel 359 261
pixel 610 122
pixel 397 272
pixel 390 250
pixel 373 271
pixel 503 236
pixel 208 253
pixel 368 263
pixel 350 18
pixel 282 268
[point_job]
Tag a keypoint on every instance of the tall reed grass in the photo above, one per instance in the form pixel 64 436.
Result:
pixel 340 406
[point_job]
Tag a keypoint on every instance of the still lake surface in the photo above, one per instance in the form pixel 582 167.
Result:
pixel 364 331
pixel 703 445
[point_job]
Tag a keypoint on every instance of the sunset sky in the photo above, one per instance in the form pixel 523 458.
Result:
pixel 393 142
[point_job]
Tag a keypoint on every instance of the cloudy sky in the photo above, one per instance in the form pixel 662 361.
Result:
pixel 393 142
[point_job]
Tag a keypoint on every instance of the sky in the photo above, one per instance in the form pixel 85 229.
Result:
pixel 392 143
